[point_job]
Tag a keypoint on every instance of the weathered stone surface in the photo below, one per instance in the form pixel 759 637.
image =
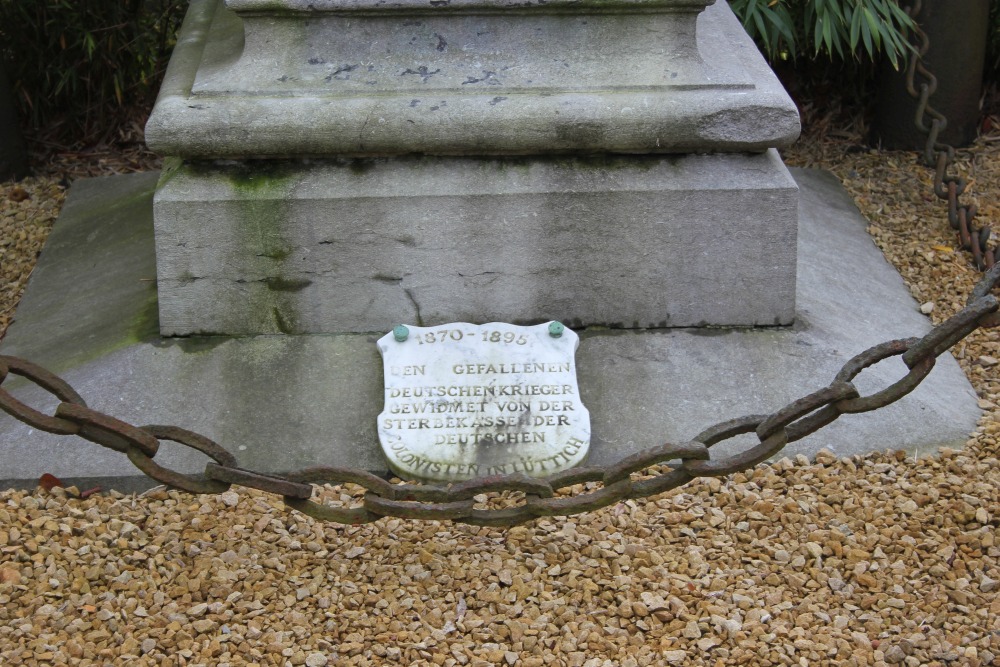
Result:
pixel 465 401
pixel 476 77
pixel 324 244
pixel 358 245
pixel 287 402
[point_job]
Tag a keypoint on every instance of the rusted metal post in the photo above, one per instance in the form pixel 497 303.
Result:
pixel 957 30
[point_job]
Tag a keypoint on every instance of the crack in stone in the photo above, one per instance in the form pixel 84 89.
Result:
pixel 481 273
pixel 361 132
pixel 416 306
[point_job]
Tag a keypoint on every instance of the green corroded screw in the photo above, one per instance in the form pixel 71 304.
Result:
pixel 556 329
pixel 400 332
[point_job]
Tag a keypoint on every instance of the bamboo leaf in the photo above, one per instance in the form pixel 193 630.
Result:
pixel 818 33
pixel 758 21
pixel 828 32
pixel 809 15
pixel 837 12
pixel 782 22
pixel 866 36
pixel 855 30
pixel 875 28
pixel 748 8
pixel 893 57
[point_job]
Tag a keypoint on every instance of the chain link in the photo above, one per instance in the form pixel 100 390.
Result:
pixel 940 155
pixel 46 381
pixel 602 486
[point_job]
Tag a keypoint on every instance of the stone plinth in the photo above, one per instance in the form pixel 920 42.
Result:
pixel 444 167
pixel 358 245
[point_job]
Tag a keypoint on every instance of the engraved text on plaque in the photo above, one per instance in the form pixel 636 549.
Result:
pixel 465 400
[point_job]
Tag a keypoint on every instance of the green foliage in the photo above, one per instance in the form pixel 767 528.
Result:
pixel 81 68
pixel 835 29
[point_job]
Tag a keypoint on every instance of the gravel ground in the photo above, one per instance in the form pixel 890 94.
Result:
pixel 27 211
pixel 870 560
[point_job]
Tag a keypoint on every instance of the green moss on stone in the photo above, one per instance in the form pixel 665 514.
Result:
pixel 279 253
pixel 145 323
pixel 276 284
pixel 261 178
pixel 171 167
pixel 287 323
pixel 263 192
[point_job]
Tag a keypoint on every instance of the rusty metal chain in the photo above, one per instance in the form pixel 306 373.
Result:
pixel 458 502
pixel 941 156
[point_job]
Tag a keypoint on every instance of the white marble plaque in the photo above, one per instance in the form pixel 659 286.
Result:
pixel 467 400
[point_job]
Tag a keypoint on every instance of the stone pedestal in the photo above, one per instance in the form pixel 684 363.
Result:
pixel 345 165
pixel 281 403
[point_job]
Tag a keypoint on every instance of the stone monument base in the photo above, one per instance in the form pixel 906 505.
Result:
pixel 287 402
pixel 355 245
pixel 340 164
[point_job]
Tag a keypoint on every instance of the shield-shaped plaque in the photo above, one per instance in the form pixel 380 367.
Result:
pixel 466 400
